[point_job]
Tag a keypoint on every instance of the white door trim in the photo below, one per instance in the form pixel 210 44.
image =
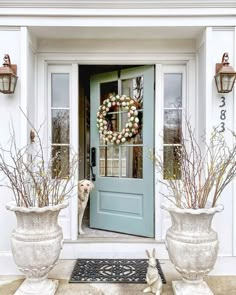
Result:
pixel 90 58
pixel 43 119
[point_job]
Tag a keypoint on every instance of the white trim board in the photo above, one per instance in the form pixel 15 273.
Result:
pixel 119 21
pixel 234 184
pixel 143 4
pixel 224 265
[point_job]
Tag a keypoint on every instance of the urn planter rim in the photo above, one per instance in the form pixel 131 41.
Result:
pixel 13 207
pixel 210 210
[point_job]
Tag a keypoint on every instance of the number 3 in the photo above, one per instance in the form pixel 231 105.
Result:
pixel 222 125
pixel 223 102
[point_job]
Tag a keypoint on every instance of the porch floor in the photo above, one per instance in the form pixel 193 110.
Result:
pixel 218 284
pixel 97 233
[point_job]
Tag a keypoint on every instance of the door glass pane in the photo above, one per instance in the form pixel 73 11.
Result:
pixel 107 89
pixel 172 126
pixel 112 119
pixel 109 161
pixel 173 90
pixel 124 160
pixel 132 161
pixel 60 90
pixel 60 161
pixel 60 126
pixel 134 88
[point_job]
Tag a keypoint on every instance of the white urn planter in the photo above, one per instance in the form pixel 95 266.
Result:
pixel 36 245
pixel 192 247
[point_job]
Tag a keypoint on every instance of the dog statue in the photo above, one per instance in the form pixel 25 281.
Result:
pixel 85 187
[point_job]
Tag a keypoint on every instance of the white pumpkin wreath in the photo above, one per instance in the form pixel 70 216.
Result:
pixel 132 125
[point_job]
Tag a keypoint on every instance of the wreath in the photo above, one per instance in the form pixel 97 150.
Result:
pixel 132 125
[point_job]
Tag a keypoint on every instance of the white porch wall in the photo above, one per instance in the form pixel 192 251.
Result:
pixel 17 43
pixel 223 40
pixel 209 49
pixel 9 112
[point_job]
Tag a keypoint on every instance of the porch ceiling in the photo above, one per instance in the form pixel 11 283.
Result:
pixel 116 32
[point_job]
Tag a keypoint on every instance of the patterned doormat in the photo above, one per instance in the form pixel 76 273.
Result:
pixel 112 271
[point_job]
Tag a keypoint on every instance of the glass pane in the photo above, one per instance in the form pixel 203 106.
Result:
pixel 60 126
pixel 60 90
pixel 227 82
pixel 134 88
pixel 132 161
pixel 173 91
pixel 172 167
pixel 124 120
pixel 60 161
pixel 112 124
pixel 172 126
pixel 109 161
pixel 107 89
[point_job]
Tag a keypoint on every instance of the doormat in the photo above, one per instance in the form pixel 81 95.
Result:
pixel 112 271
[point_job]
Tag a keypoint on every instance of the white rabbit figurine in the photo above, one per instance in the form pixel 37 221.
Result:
pixel 152 277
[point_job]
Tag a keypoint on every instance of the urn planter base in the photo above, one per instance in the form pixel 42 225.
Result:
pixel 186 288
pixel 37 287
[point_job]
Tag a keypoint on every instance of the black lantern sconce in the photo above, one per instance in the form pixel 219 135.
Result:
pixel 8 77
pixel 225 75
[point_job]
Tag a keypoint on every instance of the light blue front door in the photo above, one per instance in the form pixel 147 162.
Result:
pixel 123 198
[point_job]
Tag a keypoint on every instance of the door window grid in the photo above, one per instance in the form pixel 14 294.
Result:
pixel 172 113
pixel 128 161
pixel 60 123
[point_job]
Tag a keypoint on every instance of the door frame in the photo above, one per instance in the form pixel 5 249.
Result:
pixel 159 60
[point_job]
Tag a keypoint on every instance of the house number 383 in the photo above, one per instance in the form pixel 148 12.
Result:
pixel 222 114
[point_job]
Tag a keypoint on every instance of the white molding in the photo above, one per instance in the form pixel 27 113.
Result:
pixel 234 128
pixel 227 29
pixel 140 4
pixel 209 78
pixel 192 99
pixel 159 93
pixel 32 42
pixel 95 249
pixel 24 85
pixel 92 58
pixel 74 135
pixel 200 41
pixel 200 19
pixel 41 116
pixel 9 28
pixel 143 12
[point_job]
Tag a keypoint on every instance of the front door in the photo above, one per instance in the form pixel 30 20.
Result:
pixel 123 198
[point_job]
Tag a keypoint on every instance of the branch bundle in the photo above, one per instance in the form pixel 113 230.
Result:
pixel 205 170
pixel 37 176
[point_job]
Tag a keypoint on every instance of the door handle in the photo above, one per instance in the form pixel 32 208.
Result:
pixel 93 156
pixel 92 173
pixel 93 162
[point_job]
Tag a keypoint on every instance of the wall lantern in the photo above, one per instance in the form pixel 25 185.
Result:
pixel 8 77
pixel 225 75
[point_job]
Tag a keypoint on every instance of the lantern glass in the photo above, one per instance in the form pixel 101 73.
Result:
pixel 8 83
pixel 13 83
pixel 225 82
pixel 4 83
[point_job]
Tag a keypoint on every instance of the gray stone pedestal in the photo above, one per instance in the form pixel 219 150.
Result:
pixel 188 288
